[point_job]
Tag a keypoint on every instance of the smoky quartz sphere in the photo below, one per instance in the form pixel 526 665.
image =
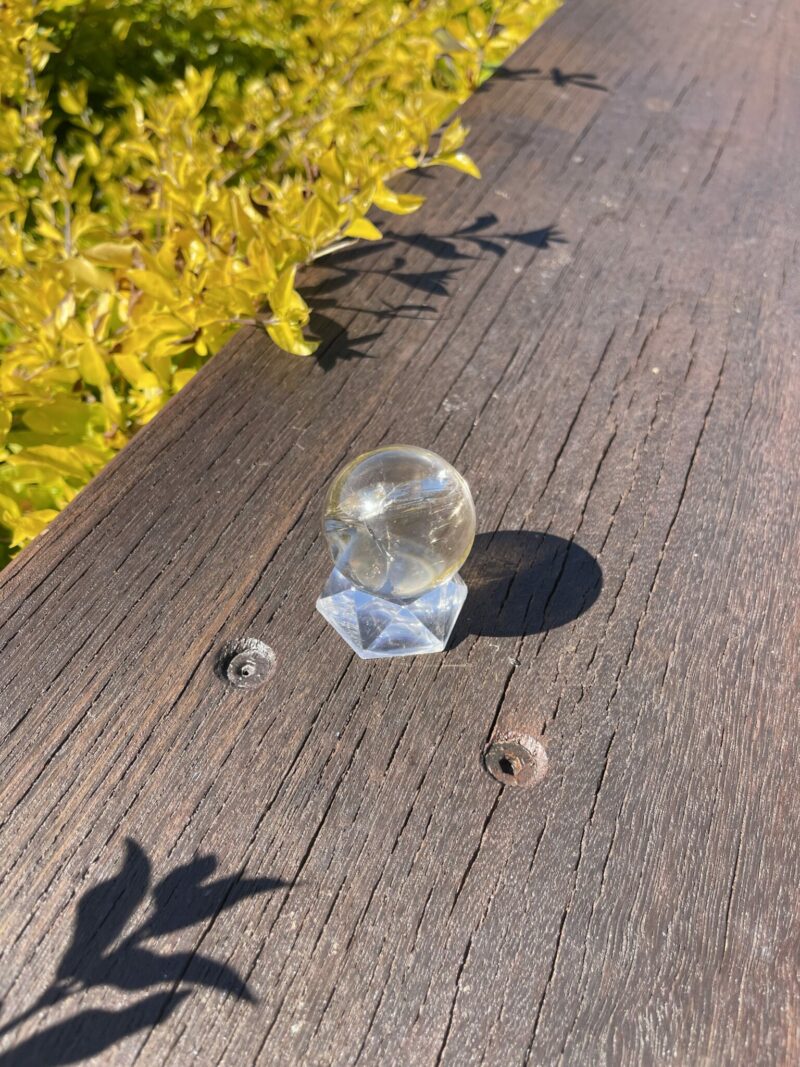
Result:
pixel 399 521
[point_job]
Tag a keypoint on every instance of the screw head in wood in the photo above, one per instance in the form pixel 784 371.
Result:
pixel 517 760
pixel 246 664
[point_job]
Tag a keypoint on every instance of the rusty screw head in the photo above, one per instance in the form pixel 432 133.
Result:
pixel 517 760
pixel 246 664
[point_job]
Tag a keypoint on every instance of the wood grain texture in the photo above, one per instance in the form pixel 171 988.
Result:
pixel 603 336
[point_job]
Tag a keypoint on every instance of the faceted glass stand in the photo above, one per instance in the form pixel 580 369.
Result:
pixel 375 626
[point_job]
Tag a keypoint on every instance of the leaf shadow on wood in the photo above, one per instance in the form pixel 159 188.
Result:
pixel 99 955
pixel 524 582
pixel 580 79
pixel 559 78
pixel 504 74
pixel 341 269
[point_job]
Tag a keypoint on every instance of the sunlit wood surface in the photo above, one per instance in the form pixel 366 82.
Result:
pixel 603 335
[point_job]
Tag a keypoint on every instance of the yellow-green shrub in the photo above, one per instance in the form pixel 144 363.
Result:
pixel 167 166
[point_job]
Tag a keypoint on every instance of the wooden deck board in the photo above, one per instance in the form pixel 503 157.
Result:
pixel 603 335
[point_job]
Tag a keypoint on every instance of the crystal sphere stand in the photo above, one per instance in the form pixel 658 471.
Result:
pixel 399 522
pixel 376 626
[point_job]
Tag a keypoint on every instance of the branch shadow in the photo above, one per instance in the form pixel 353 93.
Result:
pixel 99 955
pixel 481 237
pixel 524 582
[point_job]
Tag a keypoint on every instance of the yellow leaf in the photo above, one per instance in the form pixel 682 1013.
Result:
pixel 47 229
pixel 110 402
pixel 330 166
pixel 28 157
pixel 5 424
pixel 160 361
pixel 453 137
pixel 64 415
pixel 75 461
pixel 134 371
pixel 28 526
pixel 181 377
pixel 282 297
pixel 363 228
pixel 459 161
pixel 64 311
pixel 478 22
pixel 81 270
pixel 92 365
pixel 153 284
pixel 9 509
pixel 111 254
pixel 398 203
pixel 72 98
pixel 290 339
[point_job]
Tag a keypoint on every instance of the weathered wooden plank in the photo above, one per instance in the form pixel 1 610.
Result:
pixel 603 336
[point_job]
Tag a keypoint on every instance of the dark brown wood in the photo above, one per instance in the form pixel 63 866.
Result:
pixel 603 336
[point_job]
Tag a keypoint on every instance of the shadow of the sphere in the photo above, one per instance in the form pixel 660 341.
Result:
pixel 525 582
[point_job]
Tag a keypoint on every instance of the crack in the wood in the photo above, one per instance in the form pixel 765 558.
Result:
pixel 724 144
pixel 464 960
pixel 571 896
pixel 476 850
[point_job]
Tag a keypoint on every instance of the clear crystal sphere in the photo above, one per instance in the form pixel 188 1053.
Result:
pixel 399 521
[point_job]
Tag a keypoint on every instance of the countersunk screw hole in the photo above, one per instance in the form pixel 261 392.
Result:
pixel 516 760
pixel 246 664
